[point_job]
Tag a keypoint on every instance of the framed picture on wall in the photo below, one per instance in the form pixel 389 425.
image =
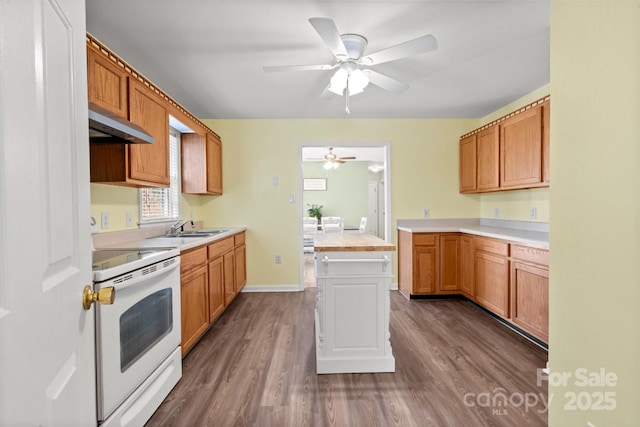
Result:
pixel 314 184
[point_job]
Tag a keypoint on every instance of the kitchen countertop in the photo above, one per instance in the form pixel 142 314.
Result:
pixel 182 243
pixel 350 242
pixel 530 233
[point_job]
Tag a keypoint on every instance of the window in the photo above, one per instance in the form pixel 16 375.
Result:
pixel 163 204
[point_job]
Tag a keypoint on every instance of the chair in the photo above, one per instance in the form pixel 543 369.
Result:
pixel 363 225
pixel 332 224
pixel 309 225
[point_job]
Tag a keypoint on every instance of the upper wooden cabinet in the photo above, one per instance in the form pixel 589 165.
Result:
pixel 468 165
pixel 521 150
pixel 510 153
pixel 201 163
pixel 136 165
pixel 488 159
pixel 107 83
pixel 117 87
pixel 149 162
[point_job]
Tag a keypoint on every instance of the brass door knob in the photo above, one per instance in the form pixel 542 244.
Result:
pixel 103 296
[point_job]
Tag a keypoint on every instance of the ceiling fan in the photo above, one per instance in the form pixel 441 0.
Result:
pixel 353 73
pixel 332 161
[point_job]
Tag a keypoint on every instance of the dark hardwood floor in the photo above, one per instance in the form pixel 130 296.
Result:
pixel 455 366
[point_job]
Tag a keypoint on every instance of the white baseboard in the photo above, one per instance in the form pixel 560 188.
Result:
pixel 286 288
pixel 272 288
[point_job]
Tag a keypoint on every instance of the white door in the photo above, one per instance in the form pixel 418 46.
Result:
pixel 372 211
pixel 47 374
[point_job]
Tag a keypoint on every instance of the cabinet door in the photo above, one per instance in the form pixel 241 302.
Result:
pixel 449 264
pixel 149 162
pixel 468 164
pixel 530 299
pixel 492 283
pixel 229 277
pixel 240 267
pixel 194 163
pixel 546 140
pixel 467 282
pixel 488 148
pixel 194 308
pixel 107 84
pixel 216 288
pixel 214 164
pixel 425 270
pixel 521 150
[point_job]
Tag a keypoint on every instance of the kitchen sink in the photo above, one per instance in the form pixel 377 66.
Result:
pixel 197 233
pixel 201 233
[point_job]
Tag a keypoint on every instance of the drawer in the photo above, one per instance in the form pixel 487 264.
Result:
pixel 420 239
pixel 530 254
pixel 193 259
pixel 492 246
pixel 342 265
pixel 239 239
pixel 220 247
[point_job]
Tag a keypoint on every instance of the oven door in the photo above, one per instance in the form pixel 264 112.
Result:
pixel 138 332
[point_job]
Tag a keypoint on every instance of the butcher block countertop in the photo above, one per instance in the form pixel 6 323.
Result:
pixel 350 242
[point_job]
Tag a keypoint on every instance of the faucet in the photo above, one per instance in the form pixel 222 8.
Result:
pixel 178 227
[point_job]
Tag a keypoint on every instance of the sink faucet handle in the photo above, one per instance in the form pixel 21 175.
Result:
pixel 179 226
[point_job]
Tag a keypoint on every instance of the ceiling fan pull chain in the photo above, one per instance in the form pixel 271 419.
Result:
pixel 346 95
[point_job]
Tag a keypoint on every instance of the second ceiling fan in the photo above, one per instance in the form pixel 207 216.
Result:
pixel 353 66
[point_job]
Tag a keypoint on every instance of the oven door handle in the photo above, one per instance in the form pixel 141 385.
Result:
pixel 131 279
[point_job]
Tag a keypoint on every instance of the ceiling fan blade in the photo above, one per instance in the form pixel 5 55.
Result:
pixel 346 158
pixel 386 83
pixel 422 44
pixel 327 29
pixel 278 68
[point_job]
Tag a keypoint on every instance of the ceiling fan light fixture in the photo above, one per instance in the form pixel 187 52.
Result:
pixel 357 81
pixel 339 81
pixel 331 165
pixel 354 79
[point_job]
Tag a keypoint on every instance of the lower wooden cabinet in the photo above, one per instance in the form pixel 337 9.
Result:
pixel 449 258
pixel 216 289
pixel 492 283
pixel 430 263
pixel 211 276
pixel 229 276
pixel 530 290
pixel 194 289
pixel 509 279
pixel 467 275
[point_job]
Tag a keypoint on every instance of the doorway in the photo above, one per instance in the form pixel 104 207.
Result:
pixel 358 187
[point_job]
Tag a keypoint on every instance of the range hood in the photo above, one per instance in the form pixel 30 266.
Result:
pixel 106 127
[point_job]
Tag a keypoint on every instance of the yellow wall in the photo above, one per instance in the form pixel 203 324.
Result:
pixel 424 169
pixel 595 206
pixel 117 201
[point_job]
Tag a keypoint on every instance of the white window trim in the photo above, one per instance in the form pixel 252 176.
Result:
pixel 175 187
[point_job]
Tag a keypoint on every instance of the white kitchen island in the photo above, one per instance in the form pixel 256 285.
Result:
pixel 353 274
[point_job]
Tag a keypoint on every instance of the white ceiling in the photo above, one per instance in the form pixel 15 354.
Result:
pixel 208 54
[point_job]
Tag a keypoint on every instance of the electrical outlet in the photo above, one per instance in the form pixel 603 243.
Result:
pixel 128 219
pixel 275 180
pixel 533 213
pixel 425 213
pixel 104 220
pixel 278 259
pixel 496 212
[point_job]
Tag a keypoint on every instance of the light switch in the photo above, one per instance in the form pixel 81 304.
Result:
pixel 275 180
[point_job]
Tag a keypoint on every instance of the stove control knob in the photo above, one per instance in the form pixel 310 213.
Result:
pixel 103 296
